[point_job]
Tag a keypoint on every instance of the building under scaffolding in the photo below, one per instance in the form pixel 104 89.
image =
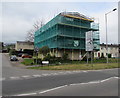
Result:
pixel 66 33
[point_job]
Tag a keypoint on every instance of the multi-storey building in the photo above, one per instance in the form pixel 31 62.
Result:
pixel 66 33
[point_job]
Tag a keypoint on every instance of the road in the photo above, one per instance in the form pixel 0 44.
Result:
pixel 18 81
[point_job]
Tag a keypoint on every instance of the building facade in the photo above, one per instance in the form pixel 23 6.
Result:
pixel 21 45
pixel 66 33
pixel 113 50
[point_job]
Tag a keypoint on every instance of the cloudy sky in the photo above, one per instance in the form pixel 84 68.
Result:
pixel 19 17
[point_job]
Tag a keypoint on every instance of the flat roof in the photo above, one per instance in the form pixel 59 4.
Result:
pixel 77 16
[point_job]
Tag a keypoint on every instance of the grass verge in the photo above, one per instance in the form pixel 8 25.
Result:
pixel 79 66
pixel 27 61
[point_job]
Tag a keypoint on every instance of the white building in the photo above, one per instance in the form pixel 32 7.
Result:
pixel 21 45
pixel 113 49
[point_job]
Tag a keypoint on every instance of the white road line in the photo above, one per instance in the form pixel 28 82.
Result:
pixel 69 72
pixel 25 94
pixel 27 76
pixel 15 78
pixel 60 72
pixel 74 71
pixel 92 82
pixel 109 79
pixel 85 71
pixel 52 89
pixel 55 74
pixel 45 74
pixel 36 75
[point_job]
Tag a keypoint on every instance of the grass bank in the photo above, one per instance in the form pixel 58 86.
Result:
pixel 27 61
pixel 79 66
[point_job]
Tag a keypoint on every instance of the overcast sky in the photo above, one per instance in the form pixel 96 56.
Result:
pixel 18 17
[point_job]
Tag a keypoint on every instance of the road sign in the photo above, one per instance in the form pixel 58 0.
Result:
pixel 89 41
pixel 36 49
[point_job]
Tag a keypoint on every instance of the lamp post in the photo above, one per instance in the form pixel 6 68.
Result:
pixel 106 33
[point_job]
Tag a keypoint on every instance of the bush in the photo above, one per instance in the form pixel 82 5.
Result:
pixel 44 50
pixel 65 56
pixel 47 58
pixel 12 52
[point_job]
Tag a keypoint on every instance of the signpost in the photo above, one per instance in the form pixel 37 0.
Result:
pixel 89 43
pixel 36 49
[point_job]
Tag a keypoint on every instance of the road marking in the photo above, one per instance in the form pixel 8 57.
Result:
pixel 48 74
pixel 26 94
pixel 60 72
pixel 93 82
pixel 45 91
pixel 36 75
pixel 85 71
pixel 45 74
pixel 55 74
pixel 15 78
pixel 52 89
pixel 109 79
pixel 26 76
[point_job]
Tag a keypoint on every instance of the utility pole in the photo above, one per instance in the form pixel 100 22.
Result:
pixel 106 34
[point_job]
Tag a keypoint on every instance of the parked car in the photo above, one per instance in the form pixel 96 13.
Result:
pixel 26 56
pixel 13 58
pixel 20 54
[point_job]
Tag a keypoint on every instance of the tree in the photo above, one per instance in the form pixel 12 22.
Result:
pixel 30 35
pixel 44 50
pixel 36 26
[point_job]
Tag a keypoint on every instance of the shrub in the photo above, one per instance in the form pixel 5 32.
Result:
pixel 47 58
pixel 65 56
pixel 12 52
pixel 44 50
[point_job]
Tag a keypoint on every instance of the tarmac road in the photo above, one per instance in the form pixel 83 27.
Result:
pixel 17 81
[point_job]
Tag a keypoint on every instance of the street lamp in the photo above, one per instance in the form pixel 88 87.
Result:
pixel 106 33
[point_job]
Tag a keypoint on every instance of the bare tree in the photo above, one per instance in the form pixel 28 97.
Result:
pixel 37 25
pixel 30 35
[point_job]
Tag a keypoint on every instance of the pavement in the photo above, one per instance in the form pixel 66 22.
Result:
pixel 18 81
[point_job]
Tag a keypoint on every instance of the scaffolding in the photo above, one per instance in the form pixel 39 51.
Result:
pixel 67 31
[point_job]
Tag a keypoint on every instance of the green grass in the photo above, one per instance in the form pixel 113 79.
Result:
pixel 79 66
pixel 27 61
